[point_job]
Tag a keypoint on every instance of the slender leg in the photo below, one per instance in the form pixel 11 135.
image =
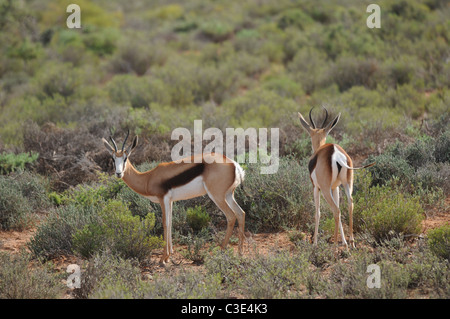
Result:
pixel 335 193
pixel 165 255
pixel 169 223
pixel 337 217
pixel 219 200
pixel 240 214
pixel 231 220
pixel 317 216
pixel 348 193
pixel 166 207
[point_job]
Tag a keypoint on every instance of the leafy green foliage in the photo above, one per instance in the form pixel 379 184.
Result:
pixel 116 228
pixel 439 241
pixel 386 211
pixel 197 218
pixel 10 162
pixel 20 196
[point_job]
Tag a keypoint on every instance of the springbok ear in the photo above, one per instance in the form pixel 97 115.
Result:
pixel 108 146
pixel 132 146
pixel 304 123
pixel 332 124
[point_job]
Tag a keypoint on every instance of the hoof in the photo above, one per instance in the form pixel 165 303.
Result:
pixel 164 262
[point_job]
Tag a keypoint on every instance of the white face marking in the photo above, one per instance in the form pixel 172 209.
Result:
pixel 120 163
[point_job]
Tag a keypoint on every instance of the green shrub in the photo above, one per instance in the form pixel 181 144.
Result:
pixel 195 249
pixel 385 211
pixel 432 176
pixel 106 275
pixel 259 108
pixel 439 241
pixel 137 55
pixel 284 87
pixel 55 198
pixel 309 68
pixel 276 201
pixel 116 229
pixel 185 285
pixel 60 79
pixel 294 17
pixel 14 208
pixel 442 147
pixel 53 237
pixel 20 196
pixel 348 72
pixel 216 30
pixel 137 91
pixel 420 152
pixel 20 281
pixel 197 218
pixel 101 41
pixel 301 148
pixel 389 166
pixel 10 162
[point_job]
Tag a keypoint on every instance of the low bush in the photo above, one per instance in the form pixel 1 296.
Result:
pixel 10 162
pixel 216 30
pixel 137 55
pixel 115 228
pixel 442 147
pixel 106 275
pixel 21 195
pixel 439 241
pixel 20 281
pixel 196 250
pixel 386 211
pixel 197 218
pixel 419 163
pixel 54 237
pixel 275 201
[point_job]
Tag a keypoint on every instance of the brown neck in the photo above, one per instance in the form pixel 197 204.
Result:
pixel 317 143
pixel 136 180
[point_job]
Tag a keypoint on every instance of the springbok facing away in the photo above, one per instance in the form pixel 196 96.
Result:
pixel 329 167
pixel 209 173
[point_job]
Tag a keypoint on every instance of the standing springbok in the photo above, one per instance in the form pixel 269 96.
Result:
pixel 210 173
pixel 329 167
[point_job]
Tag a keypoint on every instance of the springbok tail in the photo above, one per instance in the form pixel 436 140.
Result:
pixel 342 163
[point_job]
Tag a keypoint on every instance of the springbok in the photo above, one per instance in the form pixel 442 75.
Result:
pixel 329 167
pixel 210 173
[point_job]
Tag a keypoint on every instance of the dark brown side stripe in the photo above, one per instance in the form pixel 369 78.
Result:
pixel 184 177
pixel 312 164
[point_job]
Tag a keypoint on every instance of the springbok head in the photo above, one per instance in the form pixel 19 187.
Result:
pixel 318 134
pixel 120 156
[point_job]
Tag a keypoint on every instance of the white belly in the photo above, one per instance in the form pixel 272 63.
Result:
pixel 192 189
pixel 154 199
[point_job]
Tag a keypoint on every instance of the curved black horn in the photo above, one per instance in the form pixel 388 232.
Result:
pixel 310 118
pixel 124 142
pixel 114 142
pixel 326 116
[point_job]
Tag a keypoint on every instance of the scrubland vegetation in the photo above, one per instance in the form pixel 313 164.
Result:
pixel 153 66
